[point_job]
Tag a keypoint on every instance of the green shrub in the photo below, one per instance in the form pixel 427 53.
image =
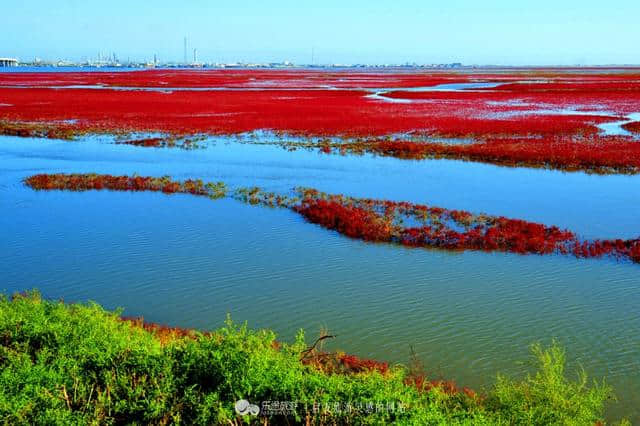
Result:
pixel 548 397
pixel 79 364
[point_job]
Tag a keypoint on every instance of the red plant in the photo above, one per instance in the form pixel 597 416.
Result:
pixel 469 392
pixel 354 222
pixel 421 383
pixel 356 365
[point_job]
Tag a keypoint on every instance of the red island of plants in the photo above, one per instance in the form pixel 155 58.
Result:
pixel 401 223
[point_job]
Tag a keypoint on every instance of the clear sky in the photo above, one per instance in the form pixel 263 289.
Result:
pixel 541 32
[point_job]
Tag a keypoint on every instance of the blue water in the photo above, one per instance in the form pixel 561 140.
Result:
pixel 187 261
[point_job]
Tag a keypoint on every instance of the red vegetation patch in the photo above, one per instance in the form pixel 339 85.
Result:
pixel 576 85
pixel 546 79
pixel 632 127
pixel 301 112
pixel 377 220
pixel 358 365
pixel 248 79
pixel 447 386
pixel 598 155
pixel 163 333
pixel 363 219
pixel 351 221
pixel 513 124
pixel 299 102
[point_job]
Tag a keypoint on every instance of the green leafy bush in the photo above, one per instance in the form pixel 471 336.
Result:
pixel 79 364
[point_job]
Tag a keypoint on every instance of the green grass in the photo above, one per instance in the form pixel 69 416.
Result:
pixel 80 364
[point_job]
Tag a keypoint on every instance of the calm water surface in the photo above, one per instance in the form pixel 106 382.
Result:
pixel 188 261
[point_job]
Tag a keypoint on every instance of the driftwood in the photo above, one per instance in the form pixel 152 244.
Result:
pixel 310 349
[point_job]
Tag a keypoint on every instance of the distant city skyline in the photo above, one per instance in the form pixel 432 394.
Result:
pixel 373 32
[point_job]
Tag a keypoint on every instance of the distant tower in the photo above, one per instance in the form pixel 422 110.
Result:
pixel 155 59
pixel 185 50
pixel 195 56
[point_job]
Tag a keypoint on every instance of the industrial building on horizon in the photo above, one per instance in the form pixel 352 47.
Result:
pixel 8 62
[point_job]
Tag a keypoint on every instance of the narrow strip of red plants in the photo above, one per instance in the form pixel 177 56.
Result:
pixel 601 155
pixel 402 223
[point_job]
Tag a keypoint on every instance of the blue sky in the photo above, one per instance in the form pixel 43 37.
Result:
pixel 541 32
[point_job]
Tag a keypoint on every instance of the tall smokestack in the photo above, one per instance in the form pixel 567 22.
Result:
pixel 185 50
pixel 195 56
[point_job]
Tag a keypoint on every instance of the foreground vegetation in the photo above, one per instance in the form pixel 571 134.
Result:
pixel 80 364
